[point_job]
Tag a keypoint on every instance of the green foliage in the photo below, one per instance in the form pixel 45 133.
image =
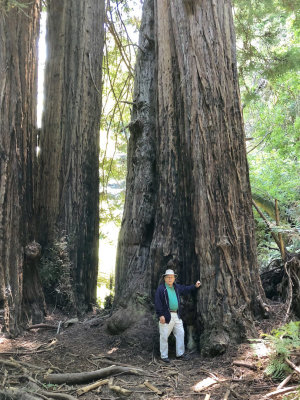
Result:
pixel 289 228
pixel 283 341
pixel 118 62
pixel 7 5
pixel 266 37
pixel 268 59
pixel 293 396
pixel 107 281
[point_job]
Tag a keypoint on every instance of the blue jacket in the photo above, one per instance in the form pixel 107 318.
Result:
pixel 162 299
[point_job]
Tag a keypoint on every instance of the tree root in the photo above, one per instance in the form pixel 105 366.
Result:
pixel 83 377
pixel 17 394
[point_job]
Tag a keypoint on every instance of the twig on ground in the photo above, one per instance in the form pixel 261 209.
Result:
pixel 92 386
pixel 32 366
pixel 13 363
pixel 111 362
pixel 227 394
pixel 54 395
pixel 245 364
pixel 152 387
pixel 284 382
pixel 291 364
pixel 290 389
pixel 58 328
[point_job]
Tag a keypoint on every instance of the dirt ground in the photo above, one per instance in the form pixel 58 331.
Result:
pixel 86 346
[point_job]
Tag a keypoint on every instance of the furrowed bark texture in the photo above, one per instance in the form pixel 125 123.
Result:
pixel 69 160
pixel 133 272
pixel 194 206
pixel 18 92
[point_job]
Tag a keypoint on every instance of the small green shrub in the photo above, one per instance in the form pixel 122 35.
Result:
pixel 283 342
pixel 107 281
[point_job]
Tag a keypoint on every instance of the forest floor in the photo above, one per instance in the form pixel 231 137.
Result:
pixel 86 346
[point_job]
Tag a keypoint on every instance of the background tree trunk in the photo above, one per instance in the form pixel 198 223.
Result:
pixel 188 194
pixel 68 193
pixel 18 92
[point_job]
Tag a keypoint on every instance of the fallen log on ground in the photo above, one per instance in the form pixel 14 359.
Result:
pixel 38 326
pixel 83 377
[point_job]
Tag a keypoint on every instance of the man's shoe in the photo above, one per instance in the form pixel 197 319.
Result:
pixel 166 360
pixel 183 357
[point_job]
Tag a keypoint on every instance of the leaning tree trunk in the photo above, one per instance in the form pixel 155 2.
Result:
pixel 188 195
pixel 69 161
pixel 18 91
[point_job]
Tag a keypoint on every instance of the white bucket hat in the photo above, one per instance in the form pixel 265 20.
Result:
pixel 169 272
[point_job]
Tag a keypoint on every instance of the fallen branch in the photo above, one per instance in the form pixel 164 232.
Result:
pixel 38 326
pixel 38 349
pixel 13 363
pixel 120 390
pixel 245 364
pixel 32 366
pixel 291 364
pixel 92 387
pixel 281 391
pixel 45 394
pixel 106 360
pixel 83 377
pixel 268 225
pixel 227 394
pixel 54 395
pixel 204 384
pixel 290 293
pixel 153 388
pixel 284 382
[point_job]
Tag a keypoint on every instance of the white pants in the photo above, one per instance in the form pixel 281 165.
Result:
pixel 165 330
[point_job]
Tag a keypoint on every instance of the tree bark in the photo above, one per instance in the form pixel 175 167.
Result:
pixel 68 193
pixel 18 91
pixel 188 195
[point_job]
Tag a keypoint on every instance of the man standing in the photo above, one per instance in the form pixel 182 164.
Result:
pixel 167 306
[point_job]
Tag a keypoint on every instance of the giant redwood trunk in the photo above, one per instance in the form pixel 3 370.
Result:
pixel 68 192
pixel 18 92
pixel 188 195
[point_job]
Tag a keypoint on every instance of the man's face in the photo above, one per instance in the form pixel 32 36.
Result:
pixel 169 280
